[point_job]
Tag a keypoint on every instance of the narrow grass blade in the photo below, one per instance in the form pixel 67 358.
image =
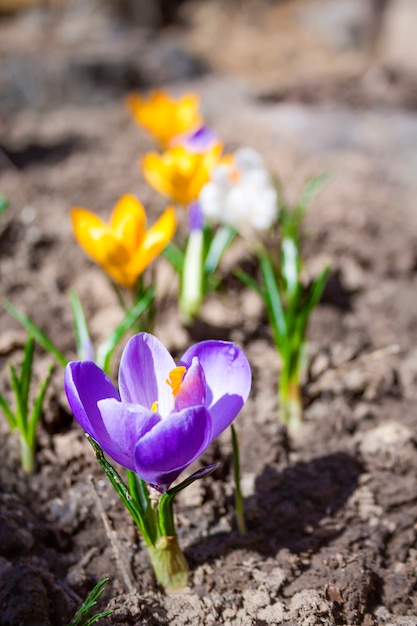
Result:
pixel 221 241
pixel 31 327
pixel 82 333
pixel 81 618
pixel 106 349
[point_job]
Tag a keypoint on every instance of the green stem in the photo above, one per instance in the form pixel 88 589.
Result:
pixel 290 403
pixel 146 320
pixel 192 279
pixel 169 563
pixel 27 455
pixel 239 504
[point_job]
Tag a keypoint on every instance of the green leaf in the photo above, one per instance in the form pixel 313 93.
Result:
pixel 221 241
pixel 166 516
pixel 239 504
pixel 138 490
pixel 3 204
pixel 26 369
pixel 310 190
pixel 21 409
pixel 8 412
pixel 81 617
pixel 106 349
pixel 174 256
pixel 317 289
pixel 192 278
pixel 248 281
pixel 82 334
pixel 281 201
pixel 31 327
pixel 273 300
pixel 290 266
pixel 37 408
pixel 201 473
pixel 123 492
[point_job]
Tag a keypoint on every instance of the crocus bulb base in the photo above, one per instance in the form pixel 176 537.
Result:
pixel 291 408
pixel 27 456
pixel 169 563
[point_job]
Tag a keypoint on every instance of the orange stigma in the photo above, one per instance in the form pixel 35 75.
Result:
pixel 175 379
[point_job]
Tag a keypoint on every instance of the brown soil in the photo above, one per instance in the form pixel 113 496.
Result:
pixel 331 515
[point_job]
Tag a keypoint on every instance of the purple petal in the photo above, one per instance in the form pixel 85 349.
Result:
pixel 144 368
pixel 195 217
pixel 125 424
pixel 228 378
pixel 193 388
pixel 173 444
pixel 199 140
pixel 85 385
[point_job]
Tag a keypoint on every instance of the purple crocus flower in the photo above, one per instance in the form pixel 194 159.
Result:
pixel 164 416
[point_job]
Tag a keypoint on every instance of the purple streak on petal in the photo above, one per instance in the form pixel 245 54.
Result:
pixel 228 378
pixel 173 444
pixel 85 385
pixel 125 424
pixel 200 140
pixel 195 217
pixel 144 368
pixel 193 388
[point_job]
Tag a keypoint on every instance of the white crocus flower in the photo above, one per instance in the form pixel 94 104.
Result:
pixel 240 193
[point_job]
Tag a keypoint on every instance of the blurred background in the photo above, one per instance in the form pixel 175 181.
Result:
pixel 89 51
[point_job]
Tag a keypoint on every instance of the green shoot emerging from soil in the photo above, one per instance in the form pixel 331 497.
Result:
pixel 153 514
pixel 82 616
pixel 289 301
pixel 197 265
pixel 22 418
pixel 84 348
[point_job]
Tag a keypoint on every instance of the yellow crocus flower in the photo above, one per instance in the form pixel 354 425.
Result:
pixel 178 173
pixel 163 116
pixel 123 248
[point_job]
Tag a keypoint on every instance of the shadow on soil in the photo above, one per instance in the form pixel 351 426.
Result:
pixel 293 509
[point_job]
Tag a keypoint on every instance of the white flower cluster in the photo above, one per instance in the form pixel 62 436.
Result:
pixel 241 193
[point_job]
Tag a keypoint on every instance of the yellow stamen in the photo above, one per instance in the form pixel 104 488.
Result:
pixel 154 406
pixel 175 379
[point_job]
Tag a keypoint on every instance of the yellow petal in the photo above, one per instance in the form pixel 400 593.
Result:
pixel 128 222
pixel 158 172
pixel 163 116
pixel 100 243
pixel 156 239
pixel 88 230
pixel 178 173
